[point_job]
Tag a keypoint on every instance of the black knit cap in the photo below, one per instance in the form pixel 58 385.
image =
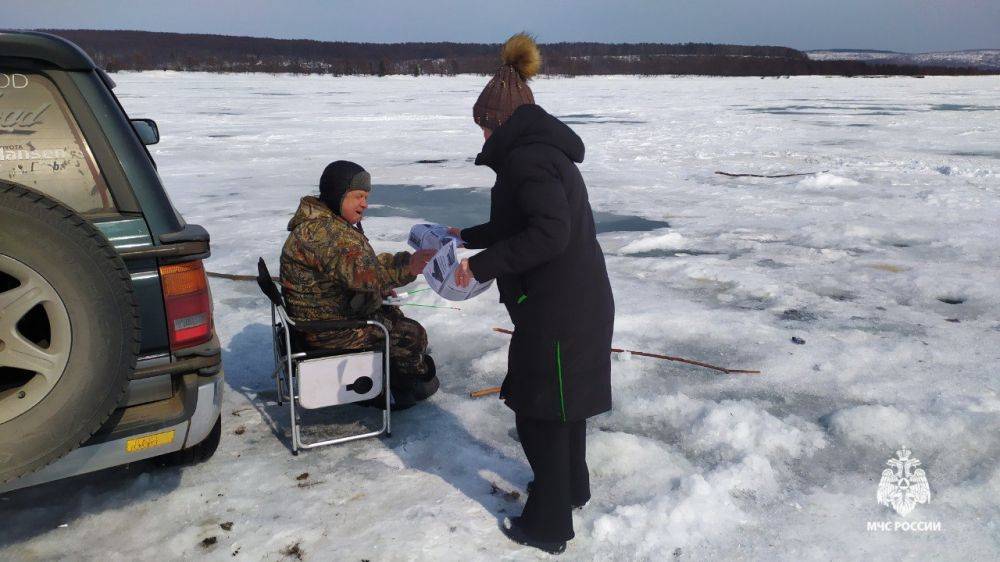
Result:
pixel 340 177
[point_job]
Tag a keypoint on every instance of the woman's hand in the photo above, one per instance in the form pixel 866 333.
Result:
pixel 463 275
pixel 419 259
pixel 457 233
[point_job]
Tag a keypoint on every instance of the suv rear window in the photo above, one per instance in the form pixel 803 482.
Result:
pixel 41 146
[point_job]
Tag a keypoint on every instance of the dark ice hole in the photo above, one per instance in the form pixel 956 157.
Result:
pixel 797 315
pixel 951 300
pixel 604 121
pixel 995 154
pixel 842 297
pixel 963 107
pixel 610 222
pixel 590 118
pixel 771 264
pixel 786 112
pixel 839 142
pixel 678 253
pixel 833 107
pixel 467 207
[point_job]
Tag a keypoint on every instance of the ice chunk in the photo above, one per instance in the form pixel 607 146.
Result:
pixel 668 241
pixel 826 180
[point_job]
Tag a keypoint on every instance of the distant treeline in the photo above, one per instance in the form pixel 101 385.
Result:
pixel 143 50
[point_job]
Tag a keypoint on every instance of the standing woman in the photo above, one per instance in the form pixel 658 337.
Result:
pixel 541 247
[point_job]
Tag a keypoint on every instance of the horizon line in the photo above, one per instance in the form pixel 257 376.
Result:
pixel 855 49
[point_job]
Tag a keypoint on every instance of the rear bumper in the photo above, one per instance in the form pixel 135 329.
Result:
pixel 141 432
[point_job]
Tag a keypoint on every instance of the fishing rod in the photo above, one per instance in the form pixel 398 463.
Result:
pixel 428 306
pixel 496 389
pixel 665 357
pixel 390 302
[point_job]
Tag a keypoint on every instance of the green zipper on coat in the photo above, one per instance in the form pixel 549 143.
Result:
pixel 562 399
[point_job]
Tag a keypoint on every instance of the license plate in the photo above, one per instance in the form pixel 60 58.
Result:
pixel 149 441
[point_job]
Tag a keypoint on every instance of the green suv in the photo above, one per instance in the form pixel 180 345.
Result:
pixel 108 352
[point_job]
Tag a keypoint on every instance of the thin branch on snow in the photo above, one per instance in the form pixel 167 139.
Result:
pixel 766 176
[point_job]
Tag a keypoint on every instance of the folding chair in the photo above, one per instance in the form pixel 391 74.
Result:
pixel 311 379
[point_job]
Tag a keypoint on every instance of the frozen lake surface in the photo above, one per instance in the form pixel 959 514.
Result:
pixel 884 261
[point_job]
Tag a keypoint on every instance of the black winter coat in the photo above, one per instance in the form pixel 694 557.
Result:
pixel 541 247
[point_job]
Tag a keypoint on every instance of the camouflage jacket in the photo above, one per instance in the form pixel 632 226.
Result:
pixel 329 271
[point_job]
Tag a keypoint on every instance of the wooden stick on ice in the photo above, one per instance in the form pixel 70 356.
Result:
pixel 484 392
pixel 496 389
pixel 767 176
pixel 665 357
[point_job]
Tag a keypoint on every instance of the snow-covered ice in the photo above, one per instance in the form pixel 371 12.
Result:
pixel 884 262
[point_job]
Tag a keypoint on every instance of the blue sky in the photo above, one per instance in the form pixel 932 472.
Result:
pixel 901 25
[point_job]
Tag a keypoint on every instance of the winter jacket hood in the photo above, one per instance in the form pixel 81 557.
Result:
pixel 529 124
pixel 310 209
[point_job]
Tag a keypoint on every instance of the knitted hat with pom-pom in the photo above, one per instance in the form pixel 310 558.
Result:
pixel 508 89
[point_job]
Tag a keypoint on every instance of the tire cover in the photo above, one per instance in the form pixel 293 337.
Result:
pixel 92 282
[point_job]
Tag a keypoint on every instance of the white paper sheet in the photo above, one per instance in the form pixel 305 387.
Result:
pixel 440 270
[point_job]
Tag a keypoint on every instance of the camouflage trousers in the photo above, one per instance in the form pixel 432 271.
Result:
pixel 407 341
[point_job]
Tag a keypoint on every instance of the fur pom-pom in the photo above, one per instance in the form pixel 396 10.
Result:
pixel 521 52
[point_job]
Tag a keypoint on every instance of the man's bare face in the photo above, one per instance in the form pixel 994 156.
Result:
pixel 354 205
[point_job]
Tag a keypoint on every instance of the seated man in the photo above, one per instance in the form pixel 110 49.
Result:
pixel 329 271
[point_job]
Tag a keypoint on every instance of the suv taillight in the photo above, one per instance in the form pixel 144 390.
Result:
pixel 188 305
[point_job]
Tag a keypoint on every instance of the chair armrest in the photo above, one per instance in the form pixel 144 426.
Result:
pixel 321 325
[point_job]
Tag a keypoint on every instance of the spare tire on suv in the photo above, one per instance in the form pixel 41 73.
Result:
pixel 69 330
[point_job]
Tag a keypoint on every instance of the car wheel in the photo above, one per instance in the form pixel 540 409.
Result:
pixel 69 330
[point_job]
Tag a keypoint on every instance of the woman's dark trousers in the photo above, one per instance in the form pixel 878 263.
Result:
pixel 556 451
